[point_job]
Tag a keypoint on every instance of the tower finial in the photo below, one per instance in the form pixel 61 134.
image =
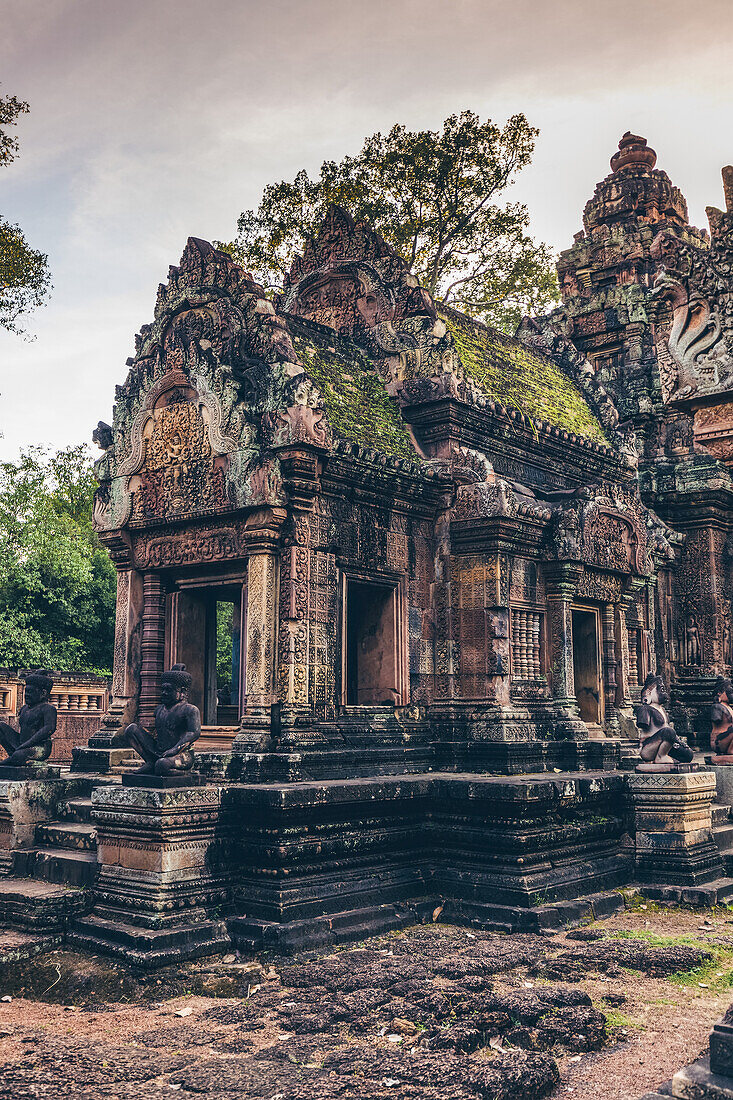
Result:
pixel 633 149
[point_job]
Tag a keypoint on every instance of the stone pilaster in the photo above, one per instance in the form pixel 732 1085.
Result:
pixel 261 627
pixel 25 803
pixel 562 582
pixel 263 537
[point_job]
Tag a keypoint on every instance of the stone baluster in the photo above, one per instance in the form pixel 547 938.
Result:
pixel 633 635
pixel 536 645
pixel 524 645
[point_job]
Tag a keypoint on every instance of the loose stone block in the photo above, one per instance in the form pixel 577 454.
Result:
pixel 697 1082
pixel 723 783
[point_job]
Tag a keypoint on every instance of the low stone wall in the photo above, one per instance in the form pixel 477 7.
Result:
pixel 80 699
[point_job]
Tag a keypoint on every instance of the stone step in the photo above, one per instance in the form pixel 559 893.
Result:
pixel 78 809
pixel 720 815
pixel 28 903
pixel 723 837
pixel 151 948
pixel 63 866
pixel 717 892
pixel 80 837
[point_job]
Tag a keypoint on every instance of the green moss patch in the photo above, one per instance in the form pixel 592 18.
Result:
pixel 358 407
pixel 516 377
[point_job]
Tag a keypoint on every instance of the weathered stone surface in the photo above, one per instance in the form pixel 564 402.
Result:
pixel 674 841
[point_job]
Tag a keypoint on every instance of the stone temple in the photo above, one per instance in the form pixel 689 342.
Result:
pixel 418 571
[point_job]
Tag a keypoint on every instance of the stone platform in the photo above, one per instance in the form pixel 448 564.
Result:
pixel 287 866
pixel 183 871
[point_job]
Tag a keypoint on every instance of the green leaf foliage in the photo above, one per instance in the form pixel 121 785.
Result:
pixel 24 276
pixel 437 198
pixel 57 583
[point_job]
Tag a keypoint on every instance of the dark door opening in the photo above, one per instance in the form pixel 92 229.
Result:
pixel 587 667
pixel 372 663
pixel 205 634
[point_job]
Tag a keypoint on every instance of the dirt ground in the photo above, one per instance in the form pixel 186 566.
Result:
pixel 612 1009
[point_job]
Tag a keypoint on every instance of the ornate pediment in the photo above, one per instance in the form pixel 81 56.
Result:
pixel 351 280
pixel 190 431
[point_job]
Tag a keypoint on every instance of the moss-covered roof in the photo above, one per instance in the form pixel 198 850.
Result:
pixel 358 407
pixel 513 375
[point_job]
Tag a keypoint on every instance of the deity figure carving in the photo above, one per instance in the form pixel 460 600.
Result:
pixel 566 533
pixel 660 748
pixel 721 716
pixel 37 722
pixel 169 751
pixel 691 651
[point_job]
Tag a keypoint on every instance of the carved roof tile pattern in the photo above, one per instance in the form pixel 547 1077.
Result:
pixel 513 375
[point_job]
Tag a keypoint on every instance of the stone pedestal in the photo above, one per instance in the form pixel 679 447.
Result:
pixel 699 1082
pixel 107 748
pixel 27 800
pixel 674 841
pixel 162 877
pixel 721 1047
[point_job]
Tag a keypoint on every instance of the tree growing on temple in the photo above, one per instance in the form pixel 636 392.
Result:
pixel 57 583
pixel 24 275
pixel 438 198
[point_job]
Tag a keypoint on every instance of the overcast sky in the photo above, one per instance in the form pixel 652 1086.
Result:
pixel 153 120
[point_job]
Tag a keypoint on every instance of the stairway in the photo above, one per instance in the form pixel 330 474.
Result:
pixel 51 882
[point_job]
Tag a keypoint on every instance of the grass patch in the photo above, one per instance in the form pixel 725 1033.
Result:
pixel 615 1021
pixel 716 976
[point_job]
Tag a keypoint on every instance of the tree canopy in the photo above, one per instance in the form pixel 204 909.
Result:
pixel 437 198
pixel 24 275
pixel 57 583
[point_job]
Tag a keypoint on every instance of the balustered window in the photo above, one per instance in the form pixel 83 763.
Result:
pixel 527 644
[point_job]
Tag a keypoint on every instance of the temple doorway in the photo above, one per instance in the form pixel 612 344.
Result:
pixel 587 667
pixel 372 665
pixel 204 631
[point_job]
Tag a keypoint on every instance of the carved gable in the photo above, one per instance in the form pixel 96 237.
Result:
pixel 350 279
pixel 210 374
